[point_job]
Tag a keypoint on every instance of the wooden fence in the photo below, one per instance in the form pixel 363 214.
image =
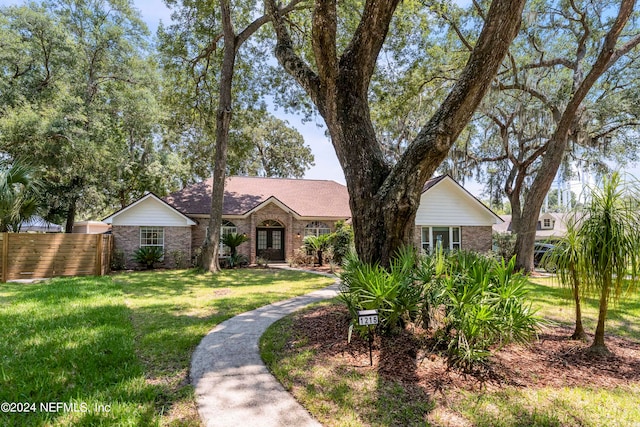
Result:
pixel 35 256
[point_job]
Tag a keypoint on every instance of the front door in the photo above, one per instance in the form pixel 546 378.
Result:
pixel 270 244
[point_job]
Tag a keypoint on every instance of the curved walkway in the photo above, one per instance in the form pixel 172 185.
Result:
pixel 233 386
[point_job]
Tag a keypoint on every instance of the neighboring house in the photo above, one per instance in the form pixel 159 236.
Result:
pixel 90 227
pixel 452 217
pixel 276 215
pixel 550 226
pixel 39 225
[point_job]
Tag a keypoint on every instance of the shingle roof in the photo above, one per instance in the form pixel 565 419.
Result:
pixel 433 181
pixel 307 198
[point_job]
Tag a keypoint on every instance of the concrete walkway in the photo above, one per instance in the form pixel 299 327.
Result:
pixel 233 386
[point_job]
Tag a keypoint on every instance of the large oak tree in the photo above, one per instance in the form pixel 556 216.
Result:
pixel 384 197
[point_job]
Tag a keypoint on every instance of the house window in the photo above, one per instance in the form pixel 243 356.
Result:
pixel 316 228
pixel 227 228
pixel 447 238
pixel 152 236
pixel 546 223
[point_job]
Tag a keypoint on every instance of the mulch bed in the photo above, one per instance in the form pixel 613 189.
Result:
pixel 551 361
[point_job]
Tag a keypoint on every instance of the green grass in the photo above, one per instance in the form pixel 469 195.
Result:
pixel 121 343
pixel 341 395
pixel 556 303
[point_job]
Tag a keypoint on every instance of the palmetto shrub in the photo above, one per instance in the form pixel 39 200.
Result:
pixel 148 256
pixel 485 305
pixel 392 292
pixel 470 302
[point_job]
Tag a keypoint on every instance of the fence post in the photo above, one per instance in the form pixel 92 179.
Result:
pixel 5 256
pixel 98 254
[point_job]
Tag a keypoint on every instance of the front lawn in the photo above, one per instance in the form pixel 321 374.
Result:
pixel 116 350
pixel 548 384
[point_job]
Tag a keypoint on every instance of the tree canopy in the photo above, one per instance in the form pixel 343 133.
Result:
pixel 103 117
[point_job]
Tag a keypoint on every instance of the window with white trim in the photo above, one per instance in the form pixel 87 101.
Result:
pixel 227 228
pixel 316 228
pixel 546 223
pixel 448 238
pixel 152 236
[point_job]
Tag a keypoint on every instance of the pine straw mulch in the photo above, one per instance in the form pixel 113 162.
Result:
pixel 551 361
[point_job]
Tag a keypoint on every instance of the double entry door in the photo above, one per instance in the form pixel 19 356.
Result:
pixel 270 243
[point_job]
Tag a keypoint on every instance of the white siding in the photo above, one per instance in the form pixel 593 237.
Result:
pixel 150 212
pixel 447 204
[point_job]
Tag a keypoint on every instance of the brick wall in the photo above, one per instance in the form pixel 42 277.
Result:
pixel 199 232
pixel 177 244
pixel 293 228
pixel 478 239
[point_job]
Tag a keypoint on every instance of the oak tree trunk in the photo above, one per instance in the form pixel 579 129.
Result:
pixel 384 198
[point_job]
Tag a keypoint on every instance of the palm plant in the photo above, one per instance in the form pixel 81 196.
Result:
pixel 18 195
pixel 318 244
pixel 233 240
pixel 610 233
pixel 569 262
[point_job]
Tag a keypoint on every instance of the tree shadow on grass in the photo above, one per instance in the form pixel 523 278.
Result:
pixel 401 401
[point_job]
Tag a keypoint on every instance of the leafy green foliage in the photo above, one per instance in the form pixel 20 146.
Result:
pixel 504 244
pixel 470 301
pixel 567 260
pixel 79 103
pixel 602 255
pixel 237 260
pixel 19 190
pixel 341 241
pixel 392 292
pixel 148 256
pixel 484 301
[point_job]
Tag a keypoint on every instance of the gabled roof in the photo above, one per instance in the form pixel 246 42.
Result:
pixel 242 195
pixel 138 203
pixel 433 182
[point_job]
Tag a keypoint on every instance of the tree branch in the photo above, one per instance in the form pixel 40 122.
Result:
pixel 623 50
pixel 323 37
pixel 360 56
pixel 550 63
pixel 538 95
pixel 259 22
pixel 435 139
pixel 287 57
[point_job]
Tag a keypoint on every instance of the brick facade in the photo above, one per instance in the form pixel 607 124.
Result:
pixel 477 239
pixel 177 245
pixel 293 230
